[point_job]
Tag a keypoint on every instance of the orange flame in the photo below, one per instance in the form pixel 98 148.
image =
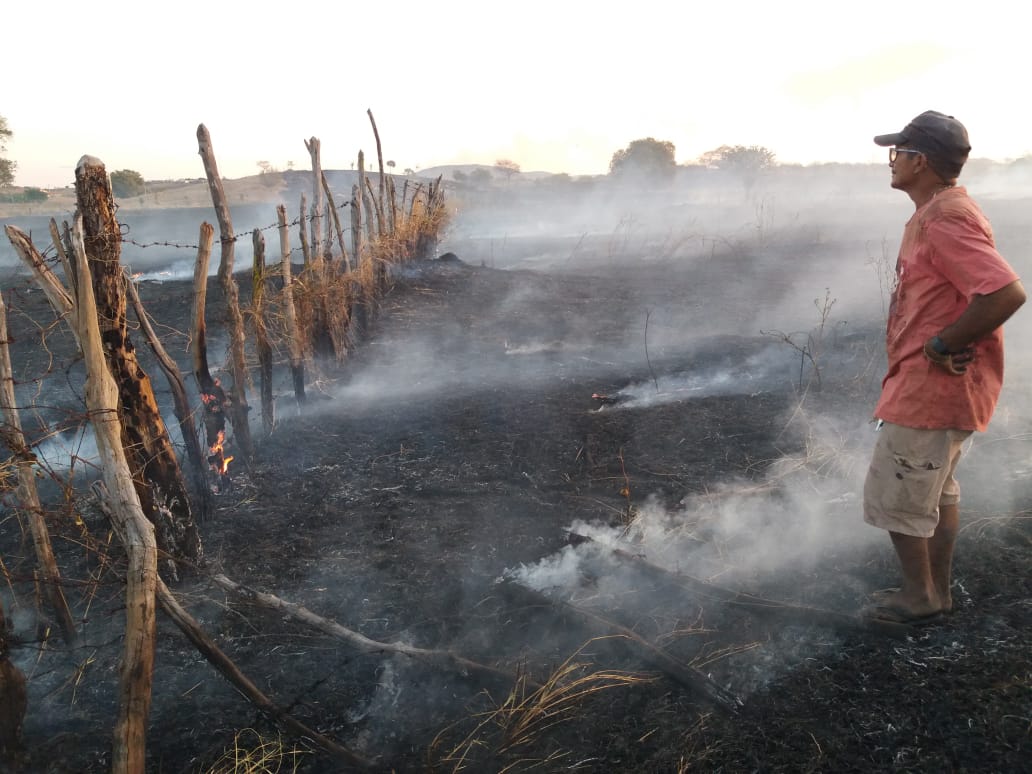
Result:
pixel 219 463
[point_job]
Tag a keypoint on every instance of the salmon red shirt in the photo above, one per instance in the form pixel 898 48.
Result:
pixel 947 257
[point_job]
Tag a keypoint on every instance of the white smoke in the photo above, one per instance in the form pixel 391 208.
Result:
pixel 805 510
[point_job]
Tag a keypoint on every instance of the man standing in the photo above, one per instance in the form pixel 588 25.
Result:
pixel 945 363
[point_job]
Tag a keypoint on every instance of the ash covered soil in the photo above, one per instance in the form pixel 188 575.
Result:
pixel 449 464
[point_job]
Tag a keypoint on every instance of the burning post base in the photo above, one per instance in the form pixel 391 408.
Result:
pixel 215 403
pixel 218 464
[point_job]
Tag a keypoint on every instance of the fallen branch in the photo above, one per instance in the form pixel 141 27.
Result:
pixel 651 654
pixel 251 692
pixel 193 631
pixel 441 659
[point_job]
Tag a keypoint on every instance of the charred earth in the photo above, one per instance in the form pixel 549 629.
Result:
pixel 453 456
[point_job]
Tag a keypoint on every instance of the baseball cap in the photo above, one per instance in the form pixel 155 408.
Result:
pixel 941 138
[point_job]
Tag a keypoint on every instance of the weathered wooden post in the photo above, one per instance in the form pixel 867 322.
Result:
pixel 332 206
pixel 356 226
pixel 328 234
pixel 313 145
pixel 358 313
pixel 28 496
pixel 297 362
pixel 306 250
pixel 238 408
pixel 159 479
pixel 213 396
pixel 379 159
pixel 367 207
pixel 261 334
pixel 102 401
pixel 392 210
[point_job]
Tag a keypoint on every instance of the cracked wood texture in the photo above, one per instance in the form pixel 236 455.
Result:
pixel 157 475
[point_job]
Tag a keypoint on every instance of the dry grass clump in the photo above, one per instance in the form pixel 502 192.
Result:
pixel 332 294
pixel 414 233
pixel 326 303
pixel 253 753
pixel 505 735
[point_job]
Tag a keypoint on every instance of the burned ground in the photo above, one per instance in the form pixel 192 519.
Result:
pixel 460 445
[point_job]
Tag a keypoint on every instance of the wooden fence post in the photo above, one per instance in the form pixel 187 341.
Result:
pixel 313 145
pixel 306 251
pixel 379 159
pixel 102 399
pixel 367 207
pixel 392 211
pixel 356 226
pixel 297 362
pixel 336 225
pixel 213 396
pixel 160 484
pixel 261 334
pixel 238 409
pixel 28 495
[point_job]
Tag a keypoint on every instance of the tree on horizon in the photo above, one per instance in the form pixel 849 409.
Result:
pixel 7 167
pixel 127 182
pixel 647 158
pixel 508 168
pixel 746 162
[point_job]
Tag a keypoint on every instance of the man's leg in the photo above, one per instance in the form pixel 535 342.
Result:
pixel 904 466
pixel 918 596
pixel 940 553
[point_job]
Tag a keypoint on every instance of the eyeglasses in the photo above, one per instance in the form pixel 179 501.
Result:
pixel 894 152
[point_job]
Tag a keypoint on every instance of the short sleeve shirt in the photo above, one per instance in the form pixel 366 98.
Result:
pixel 947 257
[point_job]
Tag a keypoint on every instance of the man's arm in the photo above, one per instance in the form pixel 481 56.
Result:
pixel 983 315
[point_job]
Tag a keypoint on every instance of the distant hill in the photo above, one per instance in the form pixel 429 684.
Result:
pixel 447 171
pixel 272 187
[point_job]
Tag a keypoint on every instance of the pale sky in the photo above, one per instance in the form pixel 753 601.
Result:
pixel 556 86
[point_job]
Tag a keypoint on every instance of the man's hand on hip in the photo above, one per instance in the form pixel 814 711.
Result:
pixel 955 363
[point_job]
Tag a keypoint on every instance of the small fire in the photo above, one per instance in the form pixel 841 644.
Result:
pixel 218 462
pixel 215 403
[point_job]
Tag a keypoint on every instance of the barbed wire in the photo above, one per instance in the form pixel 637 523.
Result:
pixel 180 245
pixel 124 239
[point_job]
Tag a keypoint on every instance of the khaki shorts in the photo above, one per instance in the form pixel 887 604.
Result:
pixel 910 476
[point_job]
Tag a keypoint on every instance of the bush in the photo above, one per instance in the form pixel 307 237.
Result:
pixel 127 182
pixel 25 195
pixel 34 195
